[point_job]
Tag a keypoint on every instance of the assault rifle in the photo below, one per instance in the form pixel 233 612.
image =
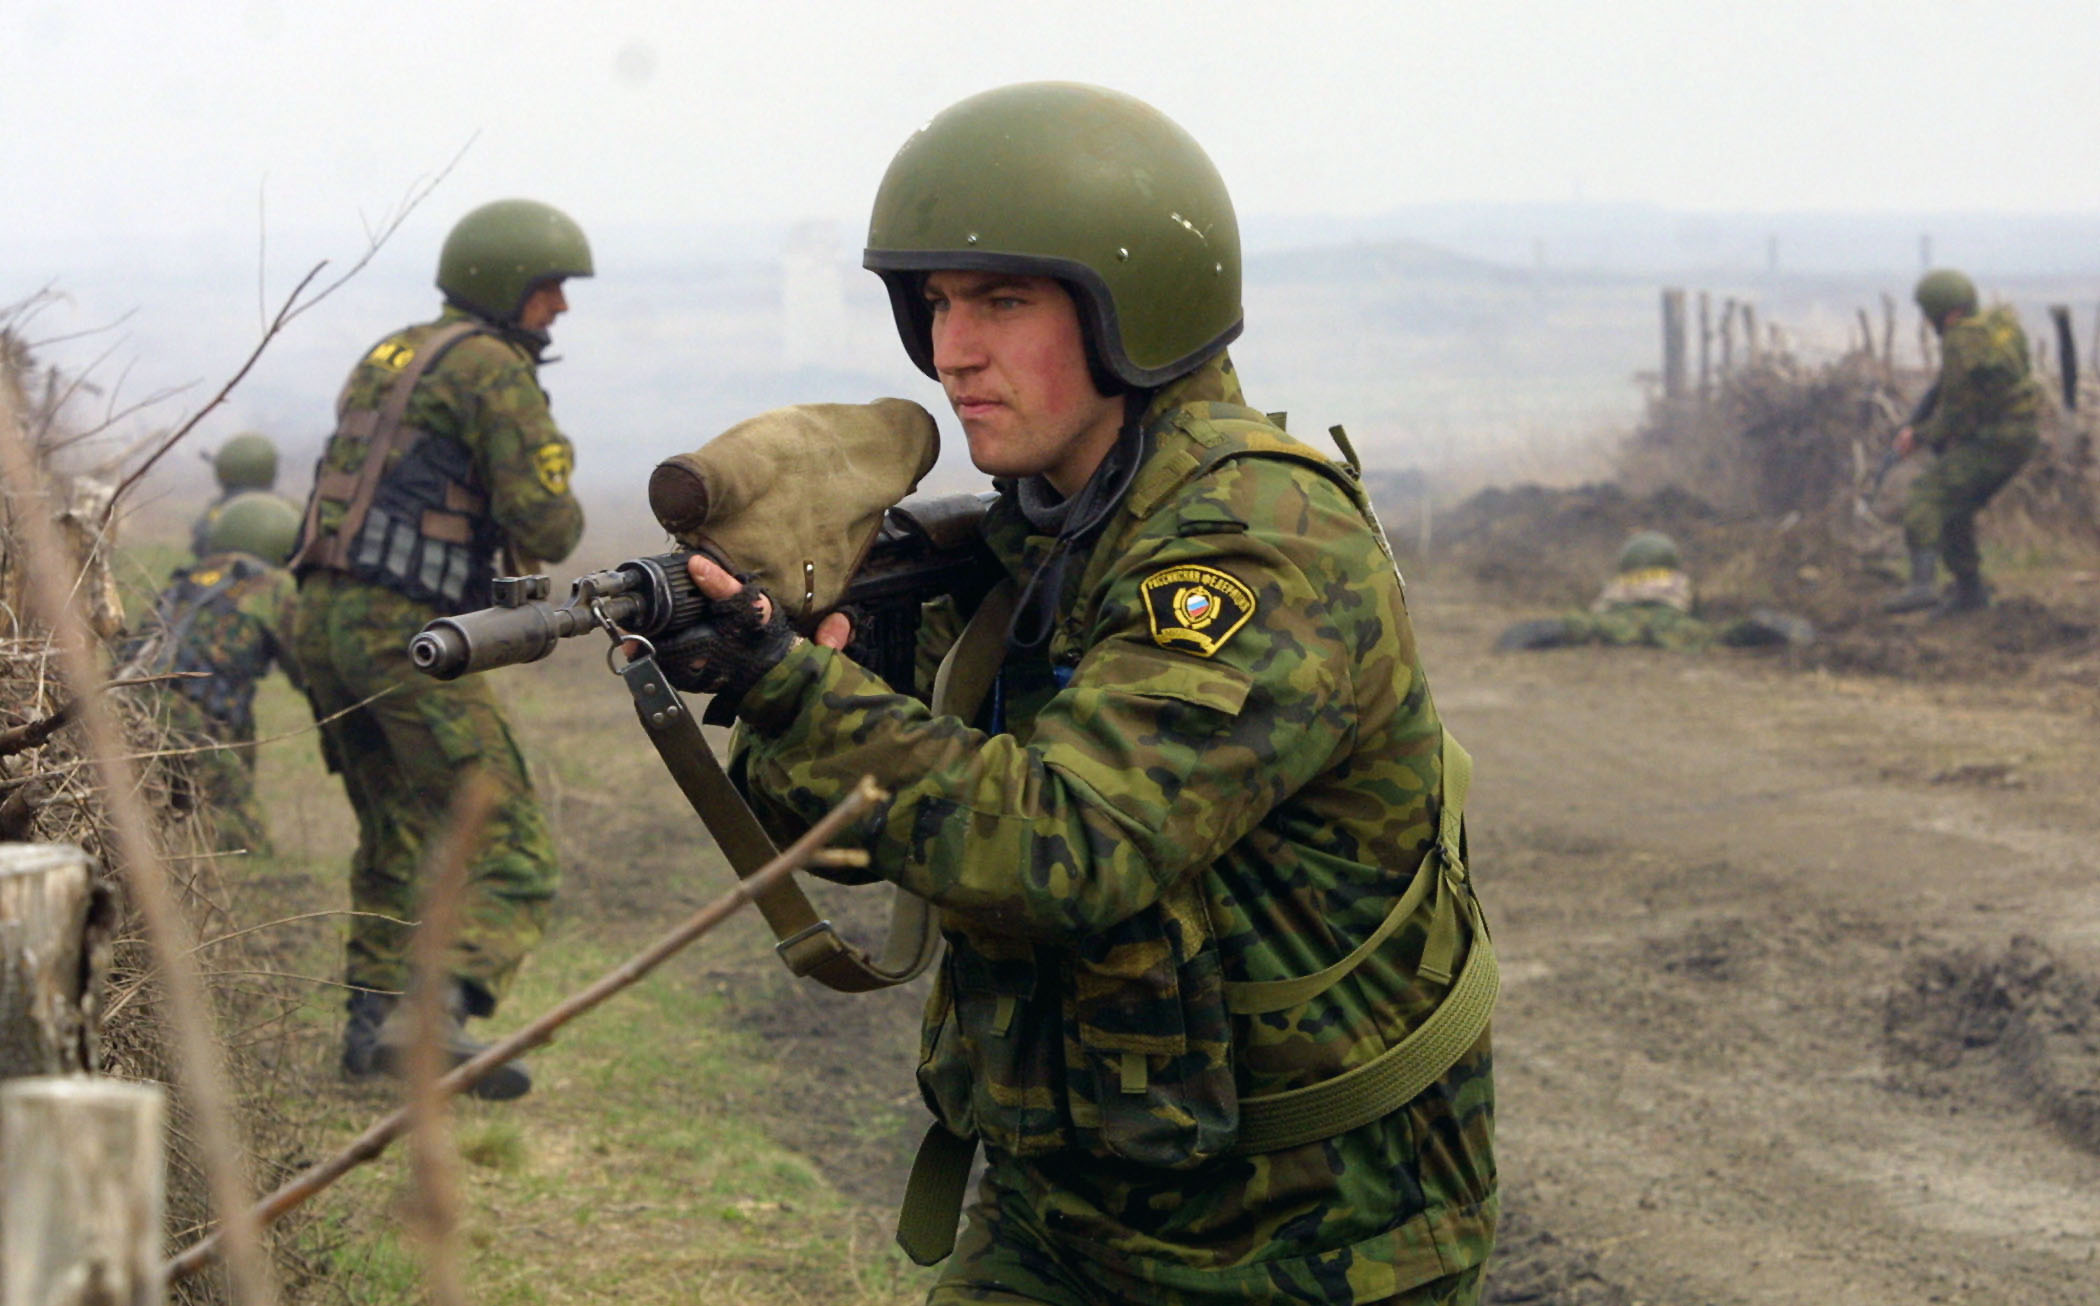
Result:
pixel 926 547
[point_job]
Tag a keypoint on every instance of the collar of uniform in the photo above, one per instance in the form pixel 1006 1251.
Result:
pixel 531 344
pixel 1172 423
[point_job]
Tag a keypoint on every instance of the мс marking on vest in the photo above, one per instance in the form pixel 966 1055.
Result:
pixel 1194 608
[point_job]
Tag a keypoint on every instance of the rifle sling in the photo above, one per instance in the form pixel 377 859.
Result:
pixel 808 943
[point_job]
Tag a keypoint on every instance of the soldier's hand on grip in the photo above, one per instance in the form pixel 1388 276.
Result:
pixel 743 636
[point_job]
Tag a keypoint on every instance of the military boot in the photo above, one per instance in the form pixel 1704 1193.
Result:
pixel 368 1011
pixel 1918 595
pixel 395 1035
pixel 1966 594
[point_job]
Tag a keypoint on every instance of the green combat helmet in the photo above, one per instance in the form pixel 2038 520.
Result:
pixel 1943 291
pixel 246 462
pixel 500 253
pixel 1647 551
pixel 1090 186
pixel 255 523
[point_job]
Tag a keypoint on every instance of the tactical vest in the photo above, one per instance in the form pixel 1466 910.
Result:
pixel 214 650
pixel 417 524
pixel 1128 1043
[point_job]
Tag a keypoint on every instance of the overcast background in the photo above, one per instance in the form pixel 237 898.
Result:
pixel 1493 181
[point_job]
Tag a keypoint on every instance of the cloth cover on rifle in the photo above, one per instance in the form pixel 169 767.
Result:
pixel 794 496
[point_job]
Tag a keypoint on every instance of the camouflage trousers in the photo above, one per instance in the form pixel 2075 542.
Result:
pixel 215 777
pixel 1004 1256
pixel 401 755
pixel 1650 625
pixel 1940 512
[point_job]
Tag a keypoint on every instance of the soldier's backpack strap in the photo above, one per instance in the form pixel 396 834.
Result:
pixel 382 428
pixel 1396 1076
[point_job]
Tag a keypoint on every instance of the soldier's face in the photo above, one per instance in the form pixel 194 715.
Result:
pixel 542 306
pixel 1010 354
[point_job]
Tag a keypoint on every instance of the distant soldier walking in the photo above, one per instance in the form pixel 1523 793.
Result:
pixel 444 457
pixel 216 629
pixel 1981 423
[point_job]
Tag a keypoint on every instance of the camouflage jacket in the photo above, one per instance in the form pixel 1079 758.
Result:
pixel 1225 769
pixel 483 394
pixel 222 621
pixel 1986 382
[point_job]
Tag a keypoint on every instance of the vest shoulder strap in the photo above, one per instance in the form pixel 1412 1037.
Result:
pixel 383 430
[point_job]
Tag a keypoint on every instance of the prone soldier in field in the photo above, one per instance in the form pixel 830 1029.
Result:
pixel 1197 849
pixel 1982 423
pixel 445 458
pixel 1650 603
pixel 217 628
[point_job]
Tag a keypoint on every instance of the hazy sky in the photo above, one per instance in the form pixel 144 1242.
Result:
pixel 118 116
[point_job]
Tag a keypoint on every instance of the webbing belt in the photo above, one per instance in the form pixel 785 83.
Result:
pixel 933 1196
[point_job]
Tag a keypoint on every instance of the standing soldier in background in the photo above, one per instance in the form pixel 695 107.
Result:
pixel 444 458
pixel 217 628
pixel 245 464
pixel 1981 423
pixel 1216 989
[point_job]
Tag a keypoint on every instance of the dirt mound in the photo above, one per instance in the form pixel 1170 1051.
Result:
pixel 1789 508
pixel 2020 1023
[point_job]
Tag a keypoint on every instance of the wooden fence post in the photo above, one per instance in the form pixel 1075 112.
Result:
pixel 80 1218
pixel 1673 343
pixel 1706 347
pixel 53 952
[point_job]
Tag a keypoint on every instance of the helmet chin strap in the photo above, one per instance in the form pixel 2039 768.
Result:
pixel 1084 517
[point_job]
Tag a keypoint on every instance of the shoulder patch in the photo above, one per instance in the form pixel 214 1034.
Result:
pixel 1195 609
pixel 393 354
pixel 552 463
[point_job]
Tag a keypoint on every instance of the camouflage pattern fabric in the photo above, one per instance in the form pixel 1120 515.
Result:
pixel 1984 427
pixel 221 622
pixel 401 754
pixel 1224 768
pixel 484 393
pixel 1640 624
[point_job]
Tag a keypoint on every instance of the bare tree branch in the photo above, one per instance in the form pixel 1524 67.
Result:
pixel 293 306
pixel 375 1139
pixel 197 1052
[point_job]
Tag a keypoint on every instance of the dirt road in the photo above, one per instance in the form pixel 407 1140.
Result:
pixel 1800 995
pixel 1802 982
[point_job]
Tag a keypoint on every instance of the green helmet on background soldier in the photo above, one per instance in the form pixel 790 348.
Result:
pixel 1647 551
pixel 256 523
pixel 1087 185
pixel 246 462
pixel 1943 291
pixel 496 256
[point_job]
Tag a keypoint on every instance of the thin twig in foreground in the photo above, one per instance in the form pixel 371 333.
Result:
pixel 375 1139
